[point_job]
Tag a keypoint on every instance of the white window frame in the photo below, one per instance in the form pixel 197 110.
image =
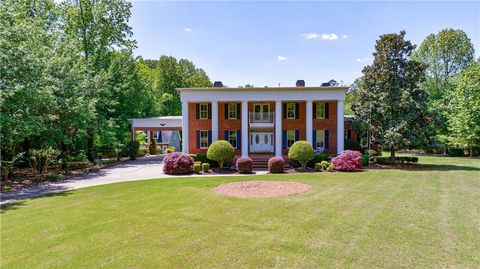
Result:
pixel 232 110
pixel 293 113
pixel 232 134
pixel 204 139
pixel 203 108
pixel 320 143
pixel 290 138
pixel 320 113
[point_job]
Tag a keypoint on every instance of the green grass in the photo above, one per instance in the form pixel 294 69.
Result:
pixel 423 218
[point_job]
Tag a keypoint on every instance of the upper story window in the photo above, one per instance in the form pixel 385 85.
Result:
pixel 291 110
pixel 320 110
pixel 232 111
pixel 203 109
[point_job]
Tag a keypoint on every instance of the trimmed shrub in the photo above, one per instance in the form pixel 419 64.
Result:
pixel 130 149
pixel 352 145
pixel 317 158
pixel 318 167
pixel 365 159
pixel 170 149
pixel 152 147
pixel 349 160
pixel 205 167
pixel 221 151
pixel 330 168
pixel 177 163
pixel 302 152
pixel 202 157
pixel 244 165
pixel 276 165
pixel 325 164
pixel 197 167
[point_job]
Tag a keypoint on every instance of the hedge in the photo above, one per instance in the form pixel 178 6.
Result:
pixel 402 159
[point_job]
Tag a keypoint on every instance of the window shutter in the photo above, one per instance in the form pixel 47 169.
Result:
pixel 297 134
pixel 197 113
pixel 239 111
pixel 297 111
pixel 314 116
pixel 326 140
pixel 284 139
pixel 226 111
pixel 314 139
pixel 284 110
pixel 209 137
pixel 327 111
pixel 159 139
pixel 209 111
pixel 239 139
pixel 226 135
pixel 198 139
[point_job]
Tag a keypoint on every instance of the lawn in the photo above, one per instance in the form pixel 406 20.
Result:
pixel 423 218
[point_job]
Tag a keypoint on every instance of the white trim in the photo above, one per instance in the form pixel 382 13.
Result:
pixel 278 129
pixel 244 127
pixel 309 122
pixel 214 121
pixel 200 112
pixel 185 127
pixel 340 127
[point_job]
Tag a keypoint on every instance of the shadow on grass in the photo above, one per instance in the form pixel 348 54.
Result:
pixel 442 167
pixel 13 205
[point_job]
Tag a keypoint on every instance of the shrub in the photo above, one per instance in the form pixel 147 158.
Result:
pixel 276 165
pixel 365 159
pixel 302 152
pixel 245 165
pixel 170 149
pixel 318 167
pixel 373 152
pixel 202 157
pixel 402 159
pixel 177 163
pixel 142 152
pixel 324 164
pixel 349 160
pixel 197 168
pixel 130 149
pixel 220 151
pixel 42 158
pixel 455 152
pixel 205 167
pixel 317 158
pixel 352 145
pixel 330 168
pixel 152 147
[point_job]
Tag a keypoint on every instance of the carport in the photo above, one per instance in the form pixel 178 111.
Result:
pixel 166 131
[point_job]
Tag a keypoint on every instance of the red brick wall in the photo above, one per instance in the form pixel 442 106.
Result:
pixel 227 124
pixel 193 126
pixel 295 124
pixel 329 124
pixel 349 126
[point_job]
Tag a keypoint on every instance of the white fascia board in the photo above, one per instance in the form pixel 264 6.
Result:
pixel 157 122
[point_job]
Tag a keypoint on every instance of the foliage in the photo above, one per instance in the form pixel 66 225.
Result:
pixel 302 152
pixel 152 147
pixel 42 158
pixel 244 165
pixel 202 157
pixel 365 159
pixel 177 163
pixel 373 152
pixel 402 159
pixel 352 145
pixel 197 168
pixel 276 165
pixel 130 149
pixel 322 166
pixel 331 167
pixel 318 157
pixel 349 160
pixel 220 151
pixel 456 152
pixel 205 167
pixel 391 102
pixel 7 167
pixel 170 149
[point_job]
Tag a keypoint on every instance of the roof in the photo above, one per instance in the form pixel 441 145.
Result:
pixel 256 89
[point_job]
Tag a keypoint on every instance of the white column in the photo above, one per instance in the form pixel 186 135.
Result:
pixel 245 129
pixel 185 126
pixel 278 129
pixel 214 121
pixel 309 122
pixel 340 122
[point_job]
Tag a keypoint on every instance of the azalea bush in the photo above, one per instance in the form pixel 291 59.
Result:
pixel 349 160
pixel 177 163
pixel 276 165
pixel 244 165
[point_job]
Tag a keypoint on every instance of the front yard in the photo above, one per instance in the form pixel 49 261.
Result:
pixel 424 218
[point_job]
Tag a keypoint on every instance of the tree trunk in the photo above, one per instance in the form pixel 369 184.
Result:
pixel 392 154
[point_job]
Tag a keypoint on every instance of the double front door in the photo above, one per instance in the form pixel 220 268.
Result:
pixel 261 142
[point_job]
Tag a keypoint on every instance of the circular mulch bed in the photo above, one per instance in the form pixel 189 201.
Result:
pixel 261 189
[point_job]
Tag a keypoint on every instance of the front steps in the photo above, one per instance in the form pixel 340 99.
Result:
pixel 260 161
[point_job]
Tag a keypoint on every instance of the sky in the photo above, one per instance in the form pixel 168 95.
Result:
pixel 269 43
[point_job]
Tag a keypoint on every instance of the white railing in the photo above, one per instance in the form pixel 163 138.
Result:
pixel 261 117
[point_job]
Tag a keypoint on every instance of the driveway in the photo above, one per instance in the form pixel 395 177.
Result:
pixel 149 167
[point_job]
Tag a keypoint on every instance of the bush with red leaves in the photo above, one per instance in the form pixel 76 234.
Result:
pixel 177 163
pixel 349 160
pixel 276 165
pixel 245 165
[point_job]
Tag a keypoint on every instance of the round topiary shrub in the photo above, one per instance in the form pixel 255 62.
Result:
pixel 349 160
pixel 205 167
pixel 197 168
pixel 302 152
pixel 220 151
pixel 244 165
pixel 131 149
pixel 276 165
pixel 177 163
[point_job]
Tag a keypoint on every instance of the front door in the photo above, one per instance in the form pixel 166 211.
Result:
pixel 261 142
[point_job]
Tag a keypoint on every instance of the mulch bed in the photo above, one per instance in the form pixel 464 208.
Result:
pixel 261 189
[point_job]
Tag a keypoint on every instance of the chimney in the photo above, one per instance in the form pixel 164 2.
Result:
pixel 300 83
pixel 217 84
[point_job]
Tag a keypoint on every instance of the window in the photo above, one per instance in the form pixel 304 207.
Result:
pixel 320 111
pixel 364 142
pixel 155 135
pixel 203 111
pixel 290 138
pixel 320 139
pixel 232 138
pixel 232 111
pixel 291 107
pixel 347 134
pixel 203 139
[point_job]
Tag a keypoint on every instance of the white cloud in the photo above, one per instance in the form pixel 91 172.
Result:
pixel 281 58
pixel 188 29
pixel 362 60
pixel 331 36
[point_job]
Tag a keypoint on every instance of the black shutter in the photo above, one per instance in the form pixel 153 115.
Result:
pixel 326 139
pixel 314 116
pixel 226 111
pixel 226 135
pixel 297 111
pixel 239 111
pixel 297 135
pixel 239 139
pixel 284 110
pixel 209 111
pixel 285 143
pixel 197 113
pixel 198 139
pixel 209 137
pixel 327 110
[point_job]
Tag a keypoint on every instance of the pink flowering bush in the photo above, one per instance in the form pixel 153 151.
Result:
pixel 177 163
pixel 349 160
pixel 276 165
pixel 245 165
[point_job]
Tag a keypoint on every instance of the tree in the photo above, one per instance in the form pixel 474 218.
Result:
pixel 391 102
pixel 464 116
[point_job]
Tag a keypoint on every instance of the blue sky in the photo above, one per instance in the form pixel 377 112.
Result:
pixel 266 43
